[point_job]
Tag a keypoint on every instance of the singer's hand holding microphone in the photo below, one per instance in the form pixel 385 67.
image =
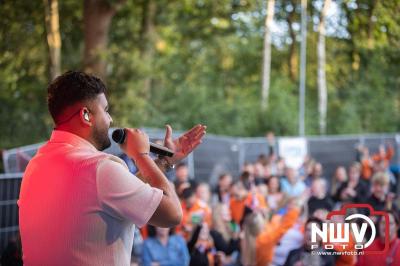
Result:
pixel 134 142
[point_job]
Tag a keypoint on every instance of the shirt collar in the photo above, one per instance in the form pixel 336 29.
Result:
pixel 60 136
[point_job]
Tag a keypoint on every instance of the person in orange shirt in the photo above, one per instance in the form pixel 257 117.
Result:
pixel 261 237
pixel 366 162
pixel 195 212
pixel 244 194
pixel 384 155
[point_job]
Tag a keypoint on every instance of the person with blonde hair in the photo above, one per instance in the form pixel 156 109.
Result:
pixel 381 198
pixel 260 236
pixel 338 179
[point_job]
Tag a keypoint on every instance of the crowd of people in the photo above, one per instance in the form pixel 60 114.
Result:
pixel 264 216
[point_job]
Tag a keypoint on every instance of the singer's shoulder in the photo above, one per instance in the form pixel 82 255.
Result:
pixel 109 158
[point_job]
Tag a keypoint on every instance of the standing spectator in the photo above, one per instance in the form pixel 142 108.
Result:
pixel 164 249
pixel 292 186
pixel 392 256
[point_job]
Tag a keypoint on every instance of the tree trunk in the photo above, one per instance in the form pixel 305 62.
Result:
pixel 97 16
pixel 292 60
pixel 303 66
pixel 53 37
pixel 148 38
pixel 322 90
pixel 267 55
pixel 371 24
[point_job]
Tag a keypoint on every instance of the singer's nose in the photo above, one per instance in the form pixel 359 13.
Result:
pixel 111 120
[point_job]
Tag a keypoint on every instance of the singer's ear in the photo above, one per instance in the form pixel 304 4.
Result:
pixel 85 116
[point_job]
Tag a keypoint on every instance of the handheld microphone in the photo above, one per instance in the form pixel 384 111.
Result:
pixel 118 136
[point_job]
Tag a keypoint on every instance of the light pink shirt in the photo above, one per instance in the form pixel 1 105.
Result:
pixel 79 206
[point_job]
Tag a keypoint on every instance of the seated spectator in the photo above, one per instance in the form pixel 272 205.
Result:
pixel 224 232
pixel 317 172
pixel 203 193
pixel 319 198
pixel 164 249
pixel 243 194
pixel 223 188
pixel 194 211
pixel 259 166
pixel 261 236
pixel 338 179
pixel 249 168
pixel 280 167
pixel 12 253
pixel 392 255
pixel 382 167
pixel 381 198
pixel 304 255
pixel 291 240
pixel 320 213
pixel 182 176
pixel 246 176
pixel 201 248
pixel 354 190
pixel 307 169
pixel 292 186
pixel 275 196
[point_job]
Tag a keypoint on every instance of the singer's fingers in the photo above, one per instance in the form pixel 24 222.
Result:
pixel 193 130
pixel 168 132
pixel 200 135
pixel 198 130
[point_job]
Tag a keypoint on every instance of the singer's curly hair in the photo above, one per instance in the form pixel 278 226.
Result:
pixel 70 88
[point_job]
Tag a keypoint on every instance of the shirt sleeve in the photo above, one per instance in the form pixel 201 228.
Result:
pixel 123 195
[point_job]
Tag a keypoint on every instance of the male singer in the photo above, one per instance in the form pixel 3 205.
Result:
pixel 78 205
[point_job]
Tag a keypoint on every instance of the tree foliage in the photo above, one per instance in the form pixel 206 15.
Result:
pixel 200 61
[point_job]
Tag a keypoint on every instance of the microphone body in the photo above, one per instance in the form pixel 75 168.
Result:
pixel 119 135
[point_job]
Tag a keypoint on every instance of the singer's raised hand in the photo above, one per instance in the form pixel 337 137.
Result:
pixel 185 144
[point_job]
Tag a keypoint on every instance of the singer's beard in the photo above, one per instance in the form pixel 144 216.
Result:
pixel 100 136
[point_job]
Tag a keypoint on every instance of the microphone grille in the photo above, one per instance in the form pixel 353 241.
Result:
pixel 118 135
